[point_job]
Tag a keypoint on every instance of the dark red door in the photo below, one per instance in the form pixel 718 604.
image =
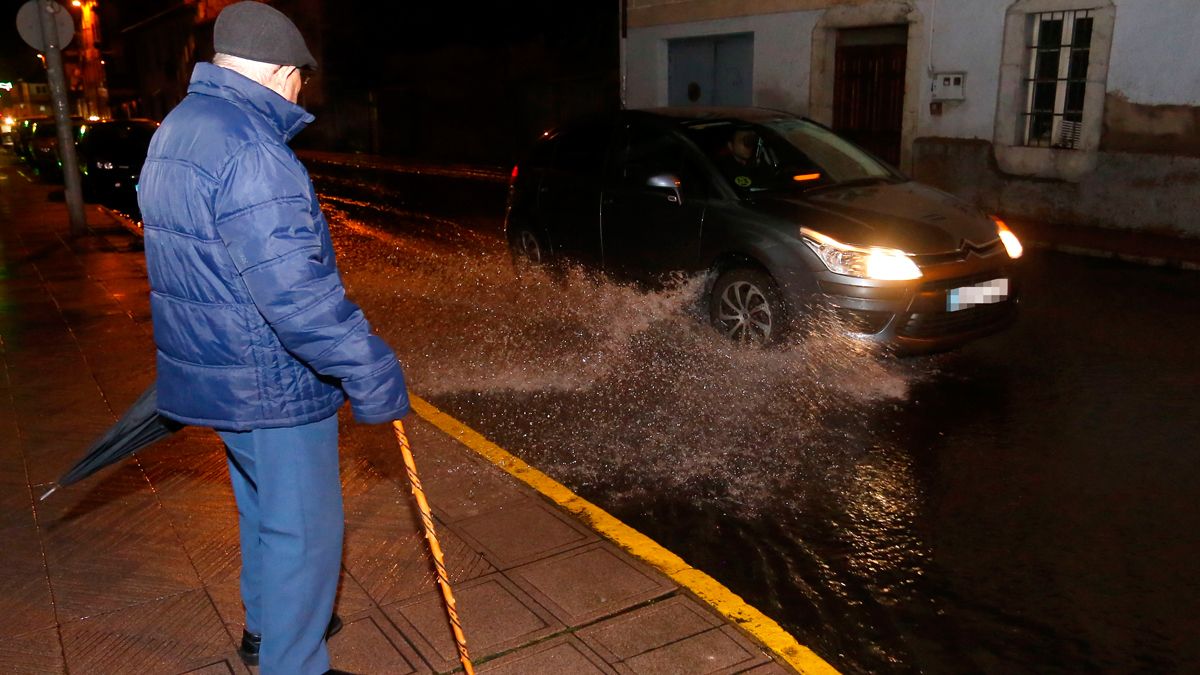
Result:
pixel 868 97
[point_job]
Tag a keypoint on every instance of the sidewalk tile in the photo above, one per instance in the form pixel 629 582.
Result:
pixel 26 603
pixel 522 532
pixel 111 546
pixel 587 583
pixel 36 653
pixel 173 634
pixel 369 643
pixel 648 628
pixel 495 614
pixel 386 550
pixel 715 652
pixel 558 656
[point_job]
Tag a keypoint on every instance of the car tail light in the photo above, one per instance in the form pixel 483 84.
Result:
pixel 512 180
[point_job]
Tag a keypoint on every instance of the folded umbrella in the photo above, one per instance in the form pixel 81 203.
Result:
pixel 139 427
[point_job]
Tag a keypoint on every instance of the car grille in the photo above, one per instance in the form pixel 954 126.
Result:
pixel 940 324
pixel 986 250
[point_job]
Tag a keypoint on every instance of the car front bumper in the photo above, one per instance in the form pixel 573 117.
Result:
pixel 917 316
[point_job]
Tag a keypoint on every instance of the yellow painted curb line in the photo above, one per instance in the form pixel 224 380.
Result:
pixel 726 602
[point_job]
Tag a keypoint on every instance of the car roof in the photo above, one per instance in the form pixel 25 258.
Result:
pixel 708 113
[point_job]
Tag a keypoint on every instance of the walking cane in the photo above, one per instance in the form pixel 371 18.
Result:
pixel 434 547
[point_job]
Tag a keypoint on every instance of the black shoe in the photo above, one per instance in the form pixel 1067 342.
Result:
pixel 337 672
pixel 252 642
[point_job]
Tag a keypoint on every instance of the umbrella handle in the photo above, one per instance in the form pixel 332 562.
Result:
pixel 434 548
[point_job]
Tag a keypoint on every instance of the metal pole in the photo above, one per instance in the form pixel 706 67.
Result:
pixel 62 118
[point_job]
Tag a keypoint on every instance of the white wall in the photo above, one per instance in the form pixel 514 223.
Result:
pixel 1156 52
pixel 967 36
pixel 782 50
pixel 1155 58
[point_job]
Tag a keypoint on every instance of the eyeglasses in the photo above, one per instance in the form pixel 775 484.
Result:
pixel 305 75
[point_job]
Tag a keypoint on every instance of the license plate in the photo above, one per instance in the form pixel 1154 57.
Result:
pixel 985 293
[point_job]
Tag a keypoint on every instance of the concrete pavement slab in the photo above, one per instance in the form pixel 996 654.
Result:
pixel 718 651
pixel 176 633
pixel 496 616
pixel 590 582
pixel 552 657
pixel 522 532
pixel 369 643
pixel 648 628
pixel 35 653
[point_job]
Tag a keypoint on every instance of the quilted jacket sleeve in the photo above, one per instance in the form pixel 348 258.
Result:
pixel 285 258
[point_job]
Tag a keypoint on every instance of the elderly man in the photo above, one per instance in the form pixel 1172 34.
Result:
pixel 255 336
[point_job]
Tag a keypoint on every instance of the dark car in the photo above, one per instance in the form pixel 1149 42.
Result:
pixel 43 146
pixel 783 214
pixel 23 137
pixel 111 155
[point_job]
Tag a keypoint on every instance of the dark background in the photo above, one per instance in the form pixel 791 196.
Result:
pixel 441 81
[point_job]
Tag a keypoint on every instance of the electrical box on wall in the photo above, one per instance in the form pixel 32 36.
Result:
pixel 948 86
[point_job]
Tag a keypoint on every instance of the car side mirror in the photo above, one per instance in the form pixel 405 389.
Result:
pixel 668 184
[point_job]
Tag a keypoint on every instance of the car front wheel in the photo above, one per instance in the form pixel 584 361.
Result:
pixel 746 306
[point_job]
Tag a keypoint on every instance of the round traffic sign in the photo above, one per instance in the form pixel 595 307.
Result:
pixel 29 24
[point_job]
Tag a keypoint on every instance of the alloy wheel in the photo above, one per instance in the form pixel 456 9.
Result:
pixel 744 313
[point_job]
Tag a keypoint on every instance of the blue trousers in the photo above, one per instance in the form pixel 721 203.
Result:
pixel 289 500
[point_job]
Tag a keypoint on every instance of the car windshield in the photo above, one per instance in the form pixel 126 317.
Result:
pixel 784 155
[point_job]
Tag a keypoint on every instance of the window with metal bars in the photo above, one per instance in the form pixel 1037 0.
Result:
pixel 1058 47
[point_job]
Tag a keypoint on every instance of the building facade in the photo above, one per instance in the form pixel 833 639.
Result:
pixel 1069 111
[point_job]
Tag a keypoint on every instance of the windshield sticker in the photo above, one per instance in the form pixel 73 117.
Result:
pixel 742 181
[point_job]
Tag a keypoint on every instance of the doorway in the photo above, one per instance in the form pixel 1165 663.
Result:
pixel 868 87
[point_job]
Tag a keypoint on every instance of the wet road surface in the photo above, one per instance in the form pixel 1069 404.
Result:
pixel 1024 504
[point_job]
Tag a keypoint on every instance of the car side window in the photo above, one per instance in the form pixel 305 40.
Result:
pixel 649 152
pixel 581 150
pixel 542 154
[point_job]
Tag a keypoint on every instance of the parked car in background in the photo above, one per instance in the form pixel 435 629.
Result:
pixel 43 146
pixel 8 131
pixel 23 137
pixel 111 155
pixel 782 214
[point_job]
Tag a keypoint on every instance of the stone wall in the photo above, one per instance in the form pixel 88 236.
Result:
pixel 1153 192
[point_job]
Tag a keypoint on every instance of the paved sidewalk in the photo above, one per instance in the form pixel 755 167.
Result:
pixel 135 570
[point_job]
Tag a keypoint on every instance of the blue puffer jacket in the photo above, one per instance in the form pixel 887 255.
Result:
pixel 251 321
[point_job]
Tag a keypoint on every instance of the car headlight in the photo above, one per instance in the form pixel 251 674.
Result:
pixel 875 262
pixel 1010 241
pixel 107 166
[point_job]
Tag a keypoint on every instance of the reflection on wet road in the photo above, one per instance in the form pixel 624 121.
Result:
pixel 1024 504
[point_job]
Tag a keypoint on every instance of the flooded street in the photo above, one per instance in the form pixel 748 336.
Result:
pixel 1025 504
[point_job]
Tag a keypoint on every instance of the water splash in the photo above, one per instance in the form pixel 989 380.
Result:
pixel 617 390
